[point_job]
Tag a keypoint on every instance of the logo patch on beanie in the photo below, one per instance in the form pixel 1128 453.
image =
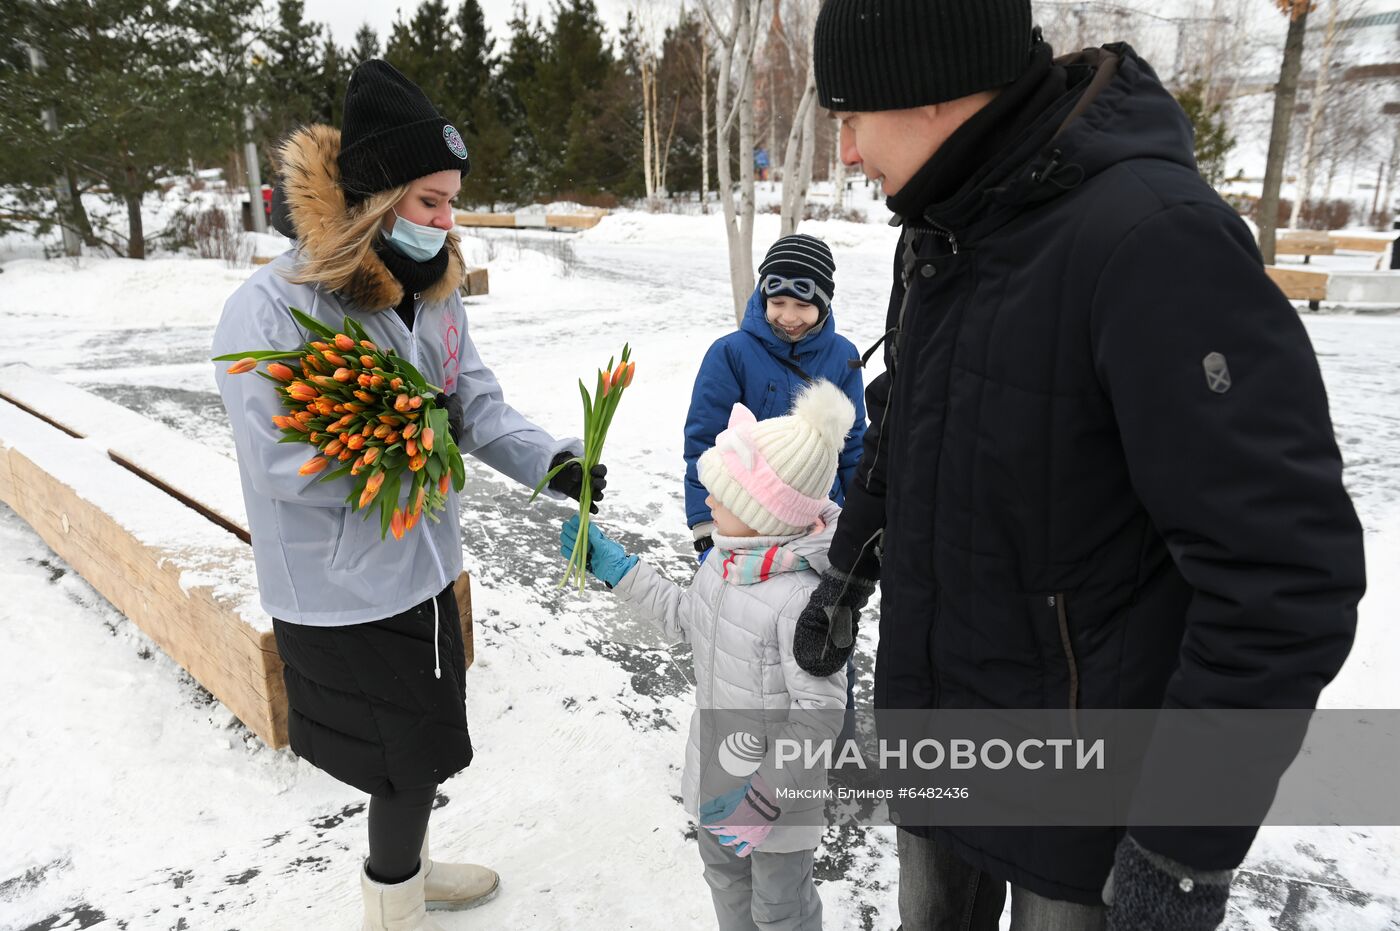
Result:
pixel 455 143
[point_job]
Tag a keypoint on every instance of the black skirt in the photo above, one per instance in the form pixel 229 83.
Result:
pixel 364 705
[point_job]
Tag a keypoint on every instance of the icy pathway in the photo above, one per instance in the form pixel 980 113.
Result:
pixel 131 801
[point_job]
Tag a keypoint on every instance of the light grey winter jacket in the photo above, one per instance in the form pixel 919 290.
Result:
pixel 318 562
pixel 741 638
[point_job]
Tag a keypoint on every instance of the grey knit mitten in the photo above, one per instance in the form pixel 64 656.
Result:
pixel 1149 892
pixel 826 629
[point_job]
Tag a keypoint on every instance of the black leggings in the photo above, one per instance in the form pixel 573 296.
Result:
pixel 398 822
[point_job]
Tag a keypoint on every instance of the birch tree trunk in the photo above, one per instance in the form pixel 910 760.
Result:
pixel 648 130
pixel 797 161
pixel 736 50
pixel 802 139
pixel 704 119
pixel 1285 97
pixel 1319 97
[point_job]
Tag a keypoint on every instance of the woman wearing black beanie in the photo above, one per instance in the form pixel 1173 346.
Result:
pixel 368 627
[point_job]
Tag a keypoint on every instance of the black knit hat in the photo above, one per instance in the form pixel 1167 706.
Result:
pixel 899 54
pixel 801 257
pixel 392 134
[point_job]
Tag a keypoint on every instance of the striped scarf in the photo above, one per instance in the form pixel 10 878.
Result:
pixel 745 567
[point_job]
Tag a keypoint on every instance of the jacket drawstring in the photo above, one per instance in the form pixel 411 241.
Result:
pixel 865 356
pixel 437 662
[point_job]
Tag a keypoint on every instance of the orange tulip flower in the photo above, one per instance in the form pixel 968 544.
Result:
pixel 243 365
pixel 312 466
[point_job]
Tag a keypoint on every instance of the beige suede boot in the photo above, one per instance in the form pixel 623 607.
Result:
pixel 396 907
pixel 456 885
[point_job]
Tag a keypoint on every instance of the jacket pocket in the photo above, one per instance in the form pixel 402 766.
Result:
pixel 768 404
pixel 1058 603
pixel 353 542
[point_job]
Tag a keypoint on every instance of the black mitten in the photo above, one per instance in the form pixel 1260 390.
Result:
pixel 454 417
pixel 826 629
pixel 1149 892
pixel 569 480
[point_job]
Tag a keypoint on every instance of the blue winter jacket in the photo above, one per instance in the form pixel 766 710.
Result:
pixel 744 367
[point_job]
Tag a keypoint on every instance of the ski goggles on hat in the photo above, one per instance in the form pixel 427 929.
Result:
pixel 804 289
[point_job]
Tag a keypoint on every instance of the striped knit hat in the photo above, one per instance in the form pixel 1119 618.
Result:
pixel 799 257
pixel 775 475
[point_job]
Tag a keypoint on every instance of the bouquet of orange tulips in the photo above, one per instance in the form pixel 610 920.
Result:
pixel 598 413
pixel 370 409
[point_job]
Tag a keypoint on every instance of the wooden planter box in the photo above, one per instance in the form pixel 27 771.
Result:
pixel 155 523
pixel 545 221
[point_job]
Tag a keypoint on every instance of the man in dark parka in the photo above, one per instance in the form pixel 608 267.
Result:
pixel 1100 471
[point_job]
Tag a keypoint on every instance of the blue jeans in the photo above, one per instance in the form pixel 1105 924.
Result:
pixel 939 892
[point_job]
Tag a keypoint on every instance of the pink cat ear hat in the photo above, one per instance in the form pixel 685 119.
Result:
pixel 775 475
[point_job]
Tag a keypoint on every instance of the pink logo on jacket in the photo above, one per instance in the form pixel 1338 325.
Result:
pixel 452 355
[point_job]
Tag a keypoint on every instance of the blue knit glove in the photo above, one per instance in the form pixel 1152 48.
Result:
pixel 607 560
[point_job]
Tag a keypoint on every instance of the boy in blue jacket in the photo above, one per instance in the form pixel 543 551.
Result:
pixel 788 339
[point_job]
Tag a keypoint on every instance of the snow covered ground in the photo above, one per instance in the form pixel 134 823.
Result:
pixel 132 800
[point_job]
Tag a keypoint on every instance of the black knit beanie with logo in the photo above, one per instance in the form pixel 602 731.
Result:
pixel 392 134
pixel 899 54
pixel 798 257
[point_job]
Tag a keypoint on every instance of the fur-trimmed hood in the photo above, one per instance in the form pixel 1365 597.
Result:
pixel 310 180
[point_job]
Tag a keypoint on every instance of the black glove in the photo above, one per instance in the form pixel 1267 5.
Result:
pixel 1149 892
pixel 704 539
pixel 454 417
pixel 826 629
pixel 569 480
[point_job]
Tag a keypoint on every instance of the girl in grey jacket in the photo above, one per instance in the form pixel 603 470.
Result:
pixel 367 627
pixel 768 483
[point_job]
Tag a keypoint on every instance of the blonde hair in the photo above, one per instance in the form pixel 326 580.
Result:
pixel 342 248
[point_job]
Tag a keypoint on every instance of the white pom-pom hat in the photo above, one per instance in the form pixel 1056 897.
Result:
pixel 775 475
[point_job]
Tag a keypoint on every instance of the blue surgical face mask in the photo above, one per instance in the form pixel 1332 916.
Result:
pixel 415 241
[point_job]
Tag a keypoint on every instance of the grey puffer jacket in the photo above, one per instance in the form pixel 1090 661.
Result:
pixel 741 638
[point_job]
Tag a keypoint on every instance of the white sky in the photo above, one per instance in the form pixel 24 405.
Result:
pixel 345 16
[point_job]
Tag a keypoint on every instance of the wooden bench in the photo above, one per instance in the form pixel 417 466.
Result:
pixel 1377 244
pixel 1306 243
pixel 1300 285
pixel 1340 286
pixel 550 221
pixel 476 284
pixel 155 522
pixel 1358 287
pixel 1357 242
